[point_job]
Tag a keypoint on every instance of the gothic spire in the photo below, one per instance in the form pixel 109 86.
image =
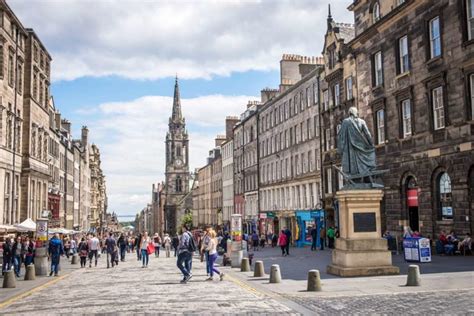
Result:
pixel 329 17
pixel 176 116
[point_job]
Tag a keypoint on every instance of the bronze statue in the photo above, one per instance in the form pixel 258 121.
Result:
pixel 357 149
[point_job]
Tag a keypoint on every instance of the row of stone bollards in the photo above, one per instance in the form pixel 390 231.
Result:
pixel 314 277
pixel 9 278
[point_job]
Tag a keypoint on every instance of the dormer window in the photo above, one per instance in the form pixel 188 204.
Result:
pixel 376 12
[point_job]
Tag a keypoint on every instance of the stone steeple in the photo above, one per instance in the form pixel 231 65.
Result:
pixel 176 116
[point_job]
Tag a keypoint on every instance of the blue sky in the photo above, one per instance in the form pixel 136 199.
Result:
pixel 113 70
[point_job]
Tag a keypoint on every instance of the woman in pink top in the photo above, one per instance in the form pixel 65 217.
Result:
pixel 282 241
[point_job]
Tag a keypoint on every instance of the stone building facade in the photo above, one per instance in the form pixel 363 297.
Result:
pixel 98 190
pixel 13 41
pixel 415 73
pixel 289 149
pixel 227 150
pixel 337 95
pixel 35 169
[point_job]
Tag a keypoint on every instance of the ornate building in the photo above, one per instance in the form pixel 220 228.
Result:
pixel 177 166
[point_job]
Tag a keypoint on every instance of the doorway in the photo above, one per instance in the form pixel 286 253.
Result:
pixel 412 204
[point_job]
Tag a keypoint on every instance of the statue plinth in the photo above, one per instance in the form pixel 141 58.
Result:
pixel 360 251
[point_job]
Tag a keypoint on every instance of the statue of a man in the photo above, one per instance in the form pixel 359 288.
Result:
pixel 355 145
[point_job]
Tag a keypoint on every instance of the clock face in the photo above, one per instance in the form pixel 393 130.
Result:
pixel 178 162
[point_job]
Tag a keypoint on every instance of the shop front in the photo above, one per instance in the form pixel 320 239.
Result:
pixel 305 220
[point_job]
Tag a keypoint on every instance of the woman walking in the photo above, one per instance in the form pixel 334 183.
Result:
pixel 29 251
pixel 144 249
pixel 167 244
pixel 83 252
pixel 212 248
pixel 282 241
pixel 157 244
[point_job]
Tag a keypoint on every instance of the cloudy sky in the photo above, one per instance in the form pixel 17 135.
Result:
pixel 114 64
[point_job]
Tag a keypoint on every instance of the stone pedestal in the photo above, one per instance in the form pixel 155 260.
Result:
pixel 236 254
pixel 360 251
pixel 41 261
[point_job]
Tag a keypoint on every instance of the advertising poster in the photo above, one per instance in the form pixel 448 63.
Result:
pixel 236 227
pixel 42 230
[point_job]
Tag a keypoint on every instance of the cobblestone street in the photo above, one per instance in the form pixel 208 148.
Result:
pixel 128 289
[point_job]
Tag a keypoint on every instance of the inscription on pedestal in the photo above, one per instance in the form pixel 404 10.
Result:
pixel 364 222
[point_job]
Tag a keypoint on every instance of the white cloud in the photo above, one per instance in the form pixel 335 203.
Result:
pixel 156 39
pixel 132 134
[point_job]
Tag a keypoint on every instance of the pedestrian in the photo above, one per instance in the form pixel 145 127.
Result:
pixel 122 243
pixel 186 249
pixel 282 240
pixel 67 246
pixel 55 251
pixel 288 241
pixel 322 237
pixel 94 245
pixel 205 249
pixel 274 240
pixel 157 244
pixel 73 246
pixel 255 240
pixel 138 241
pixel 212 250
pixel 167 244
pixel 175 244
pixel 18 253
pixel 262 241
pixel 110 245
pixel 314 237
pixel 83 249
pixel 29 251
pixel 331 234
pixel 145 241
pixel 7 254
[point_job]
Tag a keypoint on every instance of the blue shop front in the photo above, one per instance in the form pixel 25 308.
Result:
pixel 305 221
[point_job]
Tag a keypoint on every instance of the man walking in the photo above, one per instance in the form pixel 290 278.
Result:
pixel 94 245
pixel 122 243
pixel 186 249
pixel 7 254
pixel 56 249
pixel 110 244
pixel 138 242
pixel 18 253
pixel 314 237
pixel 288 238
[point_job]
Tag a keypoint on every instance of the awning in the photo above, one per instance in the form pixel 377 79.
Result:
pixel 28 225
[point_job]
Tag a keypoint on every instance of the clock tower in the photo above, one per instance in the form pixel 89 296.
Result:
pixel 177 165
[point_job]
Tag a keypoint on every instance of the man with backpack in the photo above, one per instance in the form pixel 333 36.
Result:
pixel 186 249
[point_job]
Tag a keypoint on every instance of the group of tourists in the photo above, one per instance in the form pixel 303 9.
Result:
pixel 16 252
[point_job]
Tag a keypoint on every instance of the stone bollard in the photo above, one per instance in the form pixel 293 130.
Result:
pixel 75 259
pixel 9 279
pixel 314 281
pixel 275 275
pixel 245 265
pixel 41 261
pixel 30 272
pixel 413 278
pixel 258 270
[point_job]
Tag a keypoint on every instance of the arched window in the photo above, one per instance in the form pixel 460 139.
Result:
pixel 376 12
pixel 445 196
pixel 179 184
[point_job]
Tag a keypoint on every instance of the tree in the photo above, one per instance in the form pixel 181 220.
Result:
pixel 187 219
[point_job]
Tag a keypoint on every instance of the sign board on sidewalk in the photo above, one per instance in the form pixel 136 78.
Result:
pixel 42 229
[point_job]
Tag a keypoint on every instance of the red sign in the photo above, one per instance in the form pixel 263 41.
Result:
pixel 412 197
pixel 53 205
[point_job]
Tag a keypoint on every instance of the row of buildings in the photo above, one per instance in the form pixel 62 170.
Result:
pixel 408 66
pixel 42 168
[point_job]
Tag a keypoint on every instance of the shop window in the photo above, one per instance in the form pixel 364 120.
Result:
pixel 445 196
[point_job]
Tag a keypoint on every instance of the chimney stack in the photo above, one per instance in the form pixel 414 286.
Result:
pixel 84 136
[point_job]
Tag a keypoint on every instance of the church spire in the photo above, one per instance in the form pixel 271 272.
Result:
pixel 176 116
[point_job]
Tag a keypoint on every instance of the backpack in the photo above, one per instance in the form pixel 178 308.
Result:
pixel 191 243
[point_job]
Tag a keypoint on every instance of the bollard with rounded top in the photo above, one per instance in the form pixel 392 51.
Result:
pixel 314 281
pixel 258 270
pixel 413 278
pixel 9 279
pixel 245 265
pixel 75 259
pixel 30 272
pixel 275 274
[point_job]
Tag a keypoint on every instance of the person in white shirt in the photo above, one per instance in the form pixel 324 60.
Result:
pixel 93 249
pixel 167 243
pixel 212 248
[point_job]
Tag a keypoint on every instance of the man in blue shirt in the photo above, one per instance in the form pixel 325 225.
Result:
pixel 55 250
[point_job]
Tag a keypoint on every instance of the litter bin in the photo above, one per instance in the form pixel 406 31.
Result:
pixel 417 249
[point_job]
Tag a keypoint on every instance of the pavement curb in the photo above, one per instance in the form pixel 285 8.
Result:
pixel 35 289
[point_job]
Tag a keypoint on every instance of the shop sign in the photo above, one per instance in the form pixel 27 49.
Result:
pixel 263 215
